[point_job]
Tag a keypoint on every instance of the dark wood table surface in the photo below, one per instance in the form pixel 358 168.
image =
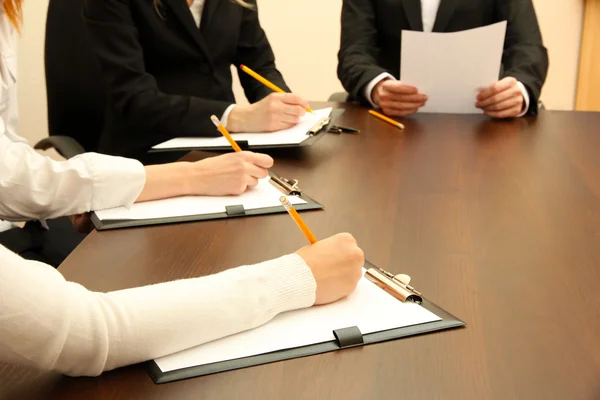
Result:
pixel 498 222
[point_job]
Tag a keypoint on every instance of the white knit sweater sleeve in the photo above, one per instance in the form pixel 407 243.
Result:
pixel 53 324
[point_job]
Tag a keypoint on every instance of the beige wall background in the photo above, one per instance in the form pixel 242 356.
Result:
pixel 306 44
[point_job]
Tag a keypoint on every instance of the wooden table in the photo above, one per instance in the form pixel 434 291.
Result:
pixel 496 221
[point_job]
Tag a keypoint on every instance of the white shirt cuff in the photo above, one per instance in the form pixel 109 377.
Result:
pixel 225 116
pixel 369 88
pixel 117 181
pixel 525 98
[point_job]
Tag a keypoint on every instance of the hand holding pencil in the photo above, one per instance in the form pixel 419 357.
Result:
pixel 275 112
pixel 278 110
pixel 266 82
pixel 336 264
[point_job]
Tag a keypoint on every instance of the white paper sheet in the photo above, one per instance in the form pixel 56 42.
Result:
pixel 294 135
pixel 369 308
pixel 451 68
pixel 262 195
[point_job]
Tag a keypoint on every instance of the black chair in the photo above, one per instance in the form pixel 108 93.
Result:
pixel 340 97
pixel 76 97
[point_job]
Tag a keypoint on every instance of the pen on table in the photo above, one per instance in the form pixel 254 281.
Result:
pixel 223 131
pixel 386 119
pixel 297 219
pixel 266 82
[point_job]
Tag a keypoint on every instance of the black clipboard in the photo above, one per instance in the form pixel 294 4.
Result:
pixel 244 145
pixel 345 338
pixel 287 187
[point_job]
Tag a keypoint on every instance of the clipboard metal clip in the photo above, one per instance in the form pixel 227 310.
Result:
pixel 318 126
pixel 288 186
pixel 396 285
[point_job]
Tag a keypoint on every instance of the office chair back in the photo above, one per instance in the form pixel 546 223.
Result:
pixel 76 97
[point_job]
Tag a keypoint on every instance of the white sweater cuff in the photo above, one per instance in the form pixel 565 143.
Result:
pixel 290 282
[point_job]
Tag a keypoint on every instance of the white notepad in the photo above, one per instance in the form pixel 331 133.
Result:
pixel 369 308
pixel 294 135
pixel 451 68
pixel 262 195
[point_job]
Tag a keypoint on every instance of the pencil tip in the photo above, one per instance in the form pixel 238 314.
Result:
pixel 215 120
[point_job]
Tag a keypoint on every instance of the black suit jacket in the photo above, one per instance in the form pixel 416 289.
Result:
pixel 164 76
pixel 371 35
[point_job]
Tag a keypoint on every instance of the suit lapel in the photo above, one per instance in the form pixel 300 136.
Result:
pixel 443 15
pixel 182 11
pixel 412 10
pixel 210 6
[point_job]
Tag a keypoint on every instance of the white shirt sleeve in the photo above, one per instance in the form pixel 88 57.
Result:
pixel 225 116
pixel 33 186
pixel 53 324
pixel 525 99
pixel 369 88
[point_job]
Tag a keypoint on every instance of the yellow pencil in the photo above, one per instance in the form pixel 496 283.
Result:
pixel 266 82
pixel 386 119
pixel 296 217
pixel 223 130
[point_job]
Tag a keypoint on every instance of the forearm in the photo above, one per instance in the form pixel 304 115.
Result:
pixel 167 180
pixel 64 327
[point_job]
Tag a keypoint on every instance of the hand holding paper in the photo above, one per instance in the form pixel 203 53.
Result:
pixel 451 68
pixel 502 99
pixel 397 99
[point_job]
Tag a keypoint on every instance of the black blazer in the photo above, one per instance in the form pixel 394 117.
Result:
pixel 164 76
pixel 371 35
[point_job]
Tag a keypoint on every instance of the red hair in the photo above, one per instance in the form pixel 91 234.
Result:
pixel 14 12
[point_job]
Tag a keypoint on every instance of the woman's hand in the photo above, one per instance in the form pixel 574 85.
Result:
pixel 275 112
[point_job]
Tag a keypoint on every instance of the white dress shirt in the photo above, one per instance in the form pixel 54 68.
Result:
pixel 429 9
pixel 50 323
pixel 196 9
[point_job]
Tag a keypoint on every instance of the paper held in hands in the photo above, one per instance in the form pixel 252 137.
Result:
pixel 262 195
pixel 451 68
pixel 292 136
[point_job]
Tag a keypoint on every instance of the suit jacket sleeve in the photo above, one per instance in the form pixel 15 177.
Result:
pixel 525 57
pixel 133 92
pixel 254 50
pixel 357 58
